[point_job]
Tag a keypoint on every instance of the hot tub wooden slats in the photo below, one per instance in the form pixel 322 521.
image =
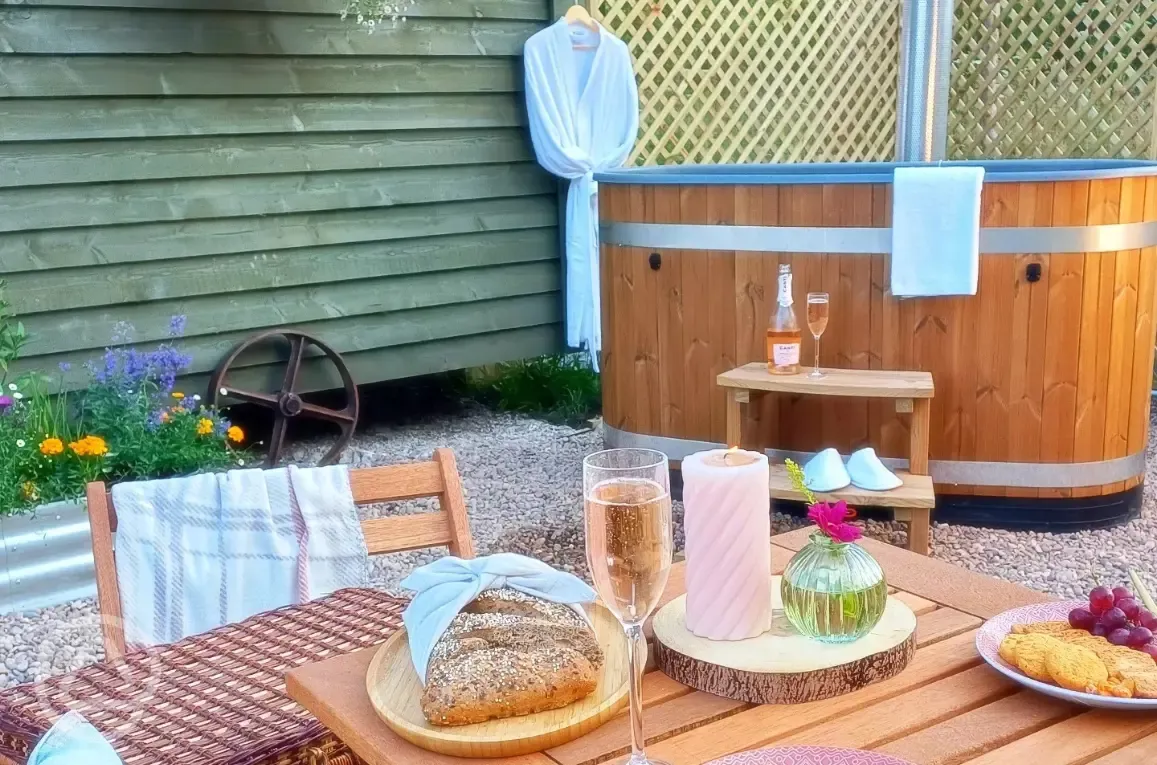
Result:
pixel 1027 341
pixel 1142 376
pixel 1053 371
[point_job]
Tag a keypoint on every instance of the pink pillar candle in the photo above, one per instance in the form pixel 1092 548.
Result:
pixel 727 523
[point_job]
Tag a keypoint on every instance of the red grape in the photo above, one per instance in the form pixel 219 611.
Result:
pixel 1119 636
pixel 1099 630
pixel 1100 600
pixel 1113 618
pixel 1131 608
pixel 1147 620
pixel 1121 593
pixel 1150 648
pixel 1081 619
pixel 1139 636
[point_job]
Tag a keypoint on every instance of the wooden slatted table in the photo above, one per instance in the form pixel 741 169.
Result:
pixel 912 502
pixel 946 708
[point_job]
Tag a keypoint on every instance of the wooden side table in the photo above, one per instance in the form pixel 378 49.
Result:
pixel 912 391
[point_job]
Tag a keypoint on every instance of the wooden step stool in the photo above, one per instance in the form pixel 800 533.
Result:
pixel 912 391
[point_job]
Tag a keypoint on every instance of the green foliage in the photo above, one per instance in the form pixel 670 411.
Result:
pixel 560 388
pixel 128 424
pixel 795 472
pixel 12 337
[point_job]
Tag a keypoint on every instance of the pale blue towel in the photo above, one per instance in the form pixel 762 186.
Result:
pixel 72 741
pixel 936 230
pixel 444 587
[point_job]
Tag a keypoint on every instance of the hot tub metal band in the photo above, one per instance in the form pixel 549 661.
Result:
pixel 1029 475
pixel 1042 240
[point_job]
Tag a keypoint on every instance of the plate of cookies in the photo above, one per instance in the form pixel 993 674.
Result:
pixel 1077 651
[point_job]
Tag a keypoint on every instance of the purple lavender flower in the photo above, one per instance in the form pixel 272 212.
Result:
pixel 64 366
pixel 6 403
pixel 165 364
pixel 154 420
pixel 128 370
pixel 223 426
pixel 134 366
pixel 122 332
pixel 177 325
pixel 111 365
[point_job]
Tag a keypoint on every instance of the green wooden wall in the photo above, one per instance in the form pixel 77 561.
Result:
pixel 259 163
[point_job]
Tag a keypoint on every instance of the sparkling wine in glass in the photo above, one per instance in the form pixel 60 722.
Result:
pixel 629 544
pixel 817 322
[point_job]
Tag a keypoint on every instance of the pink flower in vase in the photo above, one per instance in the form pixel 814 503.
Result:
pixel 831 520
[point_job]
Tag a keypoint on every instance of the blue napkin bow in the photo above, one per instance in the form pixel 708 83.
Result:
pixel 444 587
pixel 73 741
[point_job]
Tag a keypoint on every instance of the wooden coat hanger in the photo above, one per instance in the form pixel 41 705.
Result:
pixel 578 14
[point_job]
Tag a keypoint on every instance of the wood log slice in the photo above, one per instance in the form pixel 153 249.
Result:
pixel 781 666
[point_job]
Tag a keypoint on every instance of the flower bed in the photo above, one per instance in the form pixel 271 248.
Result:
pixel 129 423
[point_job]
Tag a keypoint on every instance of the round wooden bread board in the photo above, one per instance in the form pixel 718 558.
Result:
pixel 395 693
pixel 781 666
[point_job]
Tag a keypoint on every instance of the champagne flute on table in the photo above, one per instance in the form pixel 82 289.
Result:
pixel 817 322
pixel 629 544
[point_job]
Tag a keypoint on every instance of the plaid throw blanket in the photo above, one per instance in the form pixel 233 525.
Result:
pixel 199 552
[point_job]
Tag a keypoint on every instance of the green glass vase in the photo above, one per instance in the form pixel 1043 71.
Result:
pixel 834 592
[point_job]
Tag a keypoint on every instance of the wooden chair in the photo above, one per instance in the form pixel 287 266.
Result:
pixel 438 478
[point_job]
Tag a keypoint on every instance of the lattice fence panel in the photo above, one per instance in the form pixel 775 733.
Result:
pixel 732 81
pixel 1049 78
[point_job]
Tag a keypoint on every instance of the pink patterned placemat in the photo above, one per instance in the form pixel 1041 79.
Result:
pixel 808 755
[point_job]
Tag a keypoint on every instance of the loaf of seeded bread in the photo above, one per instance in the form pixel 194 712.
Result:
pixel 509 654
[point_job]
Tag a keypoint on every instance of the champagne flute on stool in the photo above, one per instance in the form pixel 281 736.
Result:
pixel 817 322
pixel 629 541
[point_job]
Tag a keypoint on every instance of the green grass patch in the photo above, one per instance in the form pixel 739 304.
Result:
pixel 560 388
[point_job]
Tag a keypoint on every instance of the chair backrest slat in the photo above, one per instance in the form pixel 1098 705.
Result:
pixel 405 532
pixel 397 482
pixel 439 478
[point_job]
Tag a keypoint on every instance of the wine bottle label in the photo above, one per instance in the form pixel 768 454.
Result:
pixel 785 289
pixel 785 354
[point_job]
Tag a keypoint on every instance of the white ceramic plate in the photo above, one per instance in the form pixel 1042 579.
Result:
pixel 995 629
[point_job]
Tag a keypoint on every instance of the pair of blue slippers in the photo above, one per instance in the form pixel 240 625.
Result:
pixel 827 472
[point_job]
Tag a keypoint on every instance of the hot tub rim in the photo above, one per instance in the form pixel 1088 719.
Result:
pixel 996 171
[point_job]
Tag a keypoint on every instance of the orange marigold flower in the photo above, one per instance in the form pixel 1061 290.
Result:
pixel 178 410
pixel 89 446
pixel 177 395
pixel 51 446
pixel 235 434
pixel 204 426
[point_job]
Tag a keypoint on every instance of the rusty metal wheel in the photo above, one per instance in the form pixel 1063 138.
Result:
pixel 286 403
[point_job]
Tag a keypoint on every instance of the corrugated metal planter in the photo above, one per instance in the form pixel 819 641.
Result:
pixel 45 557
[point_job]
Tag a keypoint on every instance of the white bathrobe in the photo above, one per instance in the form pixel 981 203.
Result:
pixel 584 114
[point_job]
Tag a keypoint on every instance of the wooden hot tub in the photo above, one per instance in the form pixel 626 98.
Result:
pixel 1043 379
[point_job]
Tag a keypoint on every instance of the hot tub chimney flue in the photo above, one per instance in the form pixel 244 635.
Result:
pixel 925 67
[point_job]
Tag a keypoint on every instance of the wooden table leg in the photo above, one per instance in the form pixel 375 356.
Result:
pixel 735 397
pixel 920 523
pixel 918 441
pixel 920 530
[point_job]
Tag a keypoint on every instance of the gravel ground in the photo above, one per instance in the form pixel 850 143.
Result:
pixel 523 483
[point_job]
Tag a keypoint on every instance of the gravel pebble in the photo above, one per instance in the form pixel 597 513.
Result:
pixel 523 484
